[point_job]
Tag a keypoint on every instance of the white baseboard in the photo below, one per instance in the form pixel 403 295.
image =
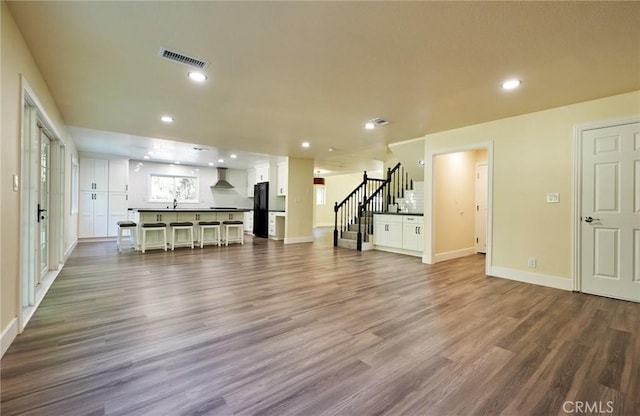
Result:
pixel 8 335
pixel 398 251
pixel 297 240
pixel 450 255
pixel 70 250
pixel 324 224
pixel 533 278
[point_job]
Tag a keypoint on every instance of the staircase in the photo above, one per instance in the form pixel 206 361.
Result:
pixel 353 225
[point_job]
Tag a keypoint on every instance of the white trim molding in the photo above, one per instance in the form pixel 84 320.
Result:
pixel 8 335
pixel 455 254
pixel 69 250
pixel 533 278
pixel 298 240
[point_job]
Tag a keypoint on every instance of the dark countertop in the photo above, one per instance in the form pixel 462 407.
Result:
pixel 190 209
pixel 420 214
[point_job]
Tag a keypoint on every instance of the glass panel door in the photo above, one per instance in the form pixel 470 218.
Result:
pixel 43 206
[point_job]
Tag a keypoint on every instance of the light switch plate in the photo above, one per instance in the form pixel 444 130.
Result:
pixel 16 183
pixel 553 197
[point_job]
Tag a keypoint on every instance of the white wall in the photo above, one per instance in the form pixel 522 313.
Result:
pixel 140 171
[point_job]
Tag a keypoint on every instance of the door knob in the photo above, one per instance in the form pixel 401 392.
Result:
pixel 591 219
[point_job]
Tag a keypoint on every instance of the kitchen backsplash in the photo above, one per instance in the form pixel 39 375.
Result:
pixel 413 201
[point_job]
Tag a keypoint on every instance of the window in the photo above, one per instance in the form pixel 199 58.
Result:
pixel 167 188
pixel 321 195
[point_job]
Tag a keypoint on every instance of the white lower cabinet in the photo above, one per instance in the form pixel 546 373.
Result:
pixel 248 222
pixel 412 236
pixel 93 211
pixel 399 233
pixel 118 210
pixel 387 230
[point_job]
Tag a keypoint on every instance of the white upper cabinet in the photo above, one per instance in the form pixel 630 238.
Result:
pixel 283 178
pixel 119 175
pixel 262 173
pixel 94 174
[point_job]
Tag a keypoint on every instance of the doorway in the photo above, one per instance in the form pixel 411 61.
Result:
pixel 468 206
pixel 41 207
pixel 608 199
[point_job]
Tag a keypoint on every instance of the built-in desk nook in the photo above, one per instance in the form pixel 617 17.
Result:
pixel 183 235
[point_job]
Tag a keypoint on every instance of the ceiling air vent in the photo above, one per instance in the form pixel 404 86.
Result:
pixel 182 59
pixel 378 121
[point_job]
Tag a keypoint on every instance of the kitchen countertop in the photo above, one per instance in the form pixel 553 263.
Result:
pixel 190 209
pixel 399 213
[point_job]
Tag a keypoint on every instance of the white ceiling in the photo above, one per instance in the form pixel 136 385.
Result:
pixel 284 72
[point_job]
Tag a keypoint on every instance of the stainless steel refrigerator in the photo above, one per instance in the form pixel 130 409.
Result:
pixel 261 209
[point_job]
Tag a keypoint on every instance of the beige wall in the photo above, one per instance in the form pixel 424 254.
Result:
pixel 299 205
pixel 533 155
pixel 16 61
pixel 454 201
pixel 337 188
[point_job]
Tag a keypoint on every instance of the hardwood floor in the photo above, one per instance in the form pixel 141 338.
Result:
pixel 306 329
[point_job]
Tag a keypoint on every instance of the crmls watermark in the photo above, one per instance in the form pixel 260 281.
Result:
pixel 579 406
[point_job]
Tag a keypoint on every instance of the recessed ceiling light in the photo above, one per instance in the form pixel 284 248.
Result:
pixel 511 84
pixel 220 160
pixel 177 163
pixel 150 153
pixel 306 144
pixel 145 157
pixel 210 163
pixel 331 149
pixel 233 156
pixel 166 119
pixel 197 76
pixel 369 125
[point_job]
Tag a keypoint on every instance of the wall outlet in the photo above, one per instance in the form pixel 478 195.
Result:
pixel 532 263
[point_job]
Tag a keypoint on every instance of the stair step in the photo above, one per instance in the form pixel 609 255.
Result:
pixel 353 244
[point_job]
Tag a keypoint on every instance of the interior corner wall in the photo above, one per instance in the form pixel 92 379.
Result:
pixel 533 155
pixel 17 61
pixel 454 202
pixel 299 201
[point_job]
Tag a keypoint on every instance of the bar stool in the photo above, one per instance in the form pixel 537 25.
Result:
pixel 233 224
pixel 129 226
pixel 181 226
pixel 210 225
pixel 154 226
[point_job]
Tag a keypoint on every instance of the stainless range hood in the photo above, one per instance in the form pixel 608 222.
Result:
pixel 222 180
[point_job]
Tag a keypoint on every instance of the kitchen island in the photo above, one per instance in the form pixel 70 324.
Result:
pixel 193 215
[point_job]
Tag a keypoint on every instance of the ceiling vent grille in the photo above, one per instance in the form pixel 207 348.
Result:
pixel 378 121
pixel 182 59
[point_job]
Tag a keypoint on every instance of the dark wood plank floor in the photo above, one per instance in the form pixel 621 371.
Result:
pixel 268 329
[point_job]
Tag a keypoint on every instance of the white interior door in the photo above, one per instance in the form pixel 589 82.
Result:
pixel 481 207
pixel 610 217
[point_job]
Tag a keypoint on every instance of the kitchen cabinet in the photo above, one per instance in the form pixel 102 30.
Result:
pixel 93 214
pixel 248 222
pixel 103 196
pixel 412 233
pixel 251 181
pixel 283 178
pixel 387 230
pixel 94 175
pixel 262 173
pixel 118 211
pixel 276 225
pixel 119 175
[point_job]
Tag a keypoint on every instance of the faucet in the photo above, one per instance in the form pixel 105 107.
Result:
pixel 175 203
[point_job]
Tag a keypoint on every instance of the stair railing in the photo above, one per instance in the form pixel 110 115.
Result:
pixel 372 195
pixel 346 213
